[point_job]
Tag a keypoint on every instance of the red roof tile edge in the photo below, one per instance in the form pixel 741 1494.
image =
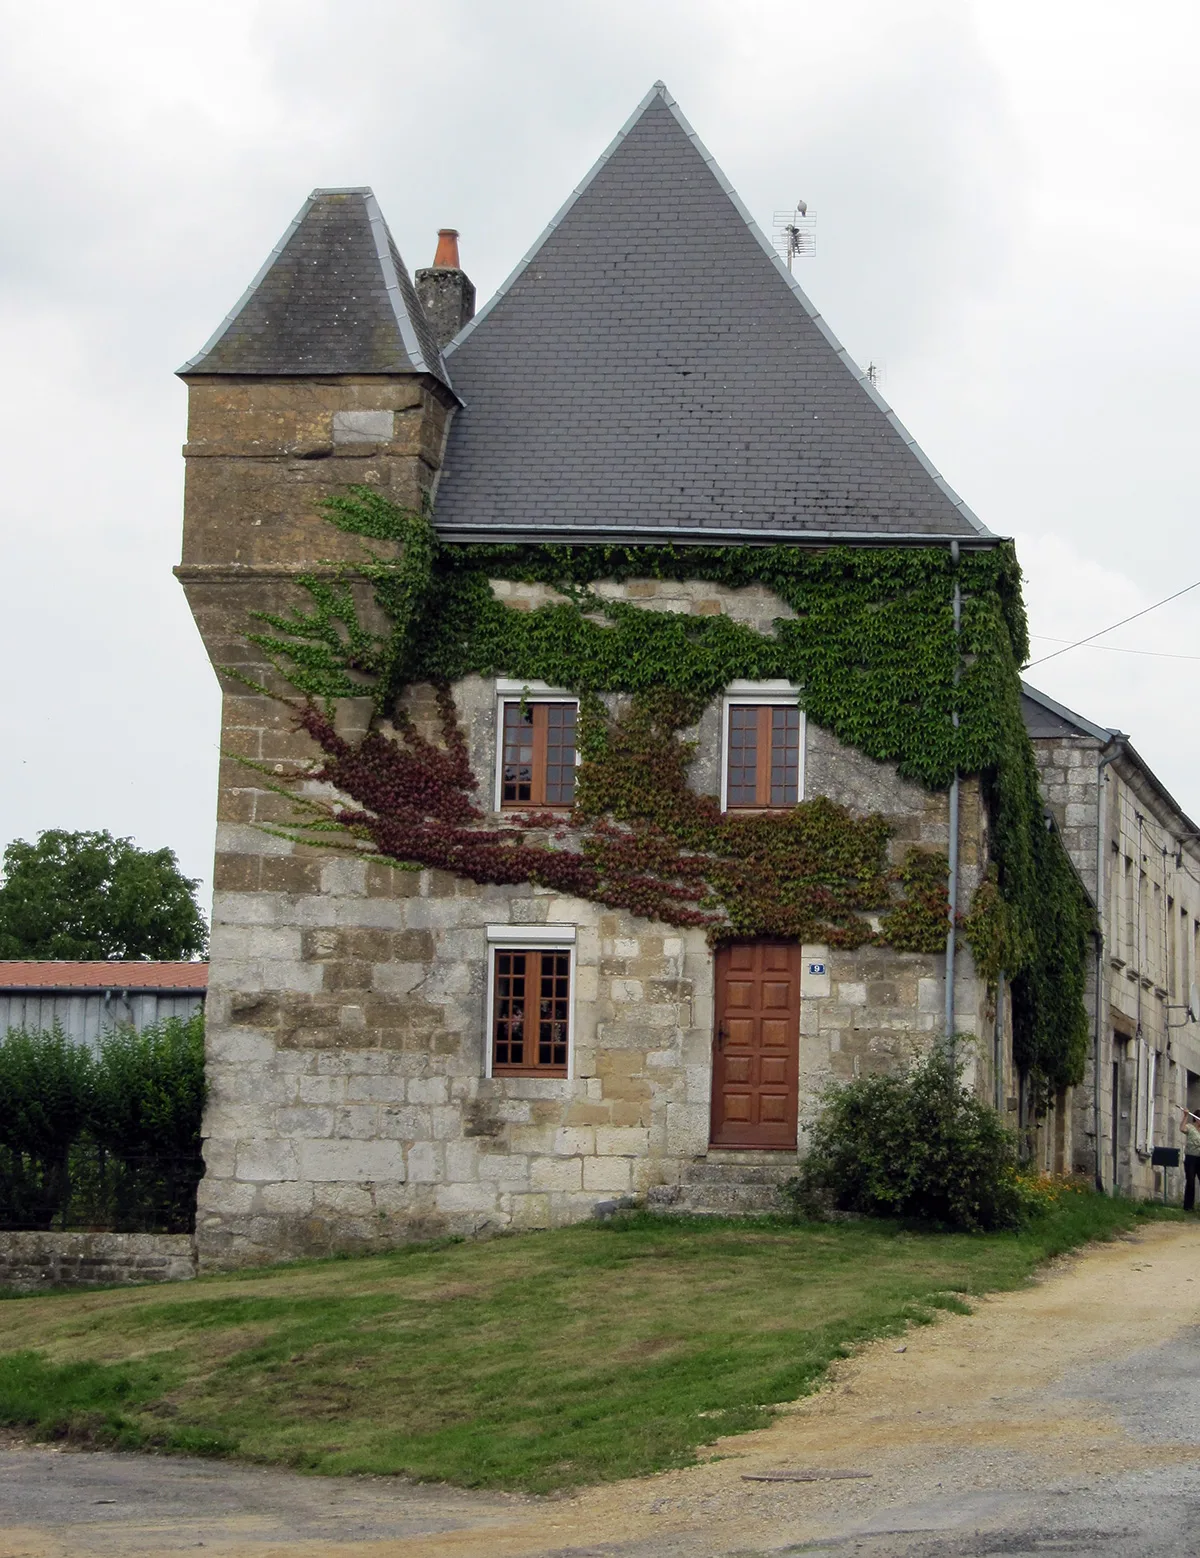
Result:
pixel 65 975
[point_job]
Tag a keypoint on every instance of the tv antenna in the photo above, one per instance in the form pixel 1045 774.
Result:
pixel 795 233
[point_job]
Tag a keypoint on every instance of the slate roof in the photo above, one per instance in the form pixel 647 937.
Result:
pixel 333 297
pixel 651 367
pixel 1044 717
pixel 113 975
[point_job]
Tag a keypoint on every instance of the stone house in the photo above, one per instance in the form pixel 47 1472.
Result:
pixel 1139 855
pixel 372 1077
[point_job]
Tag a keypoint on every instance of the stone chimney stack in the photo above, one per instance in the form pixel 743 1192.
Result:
pixel 446 292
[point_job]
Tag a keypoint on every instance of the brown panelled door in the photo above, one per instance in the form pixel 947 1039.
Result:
pixel 756 1046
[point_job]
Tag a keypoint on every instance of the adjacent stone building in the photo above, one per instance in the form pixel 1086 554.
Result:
pixel 1139 855
pixel 375 1073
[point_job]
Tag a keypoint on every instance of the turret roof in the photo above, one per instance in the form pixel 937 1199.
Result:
pixel 651 368
pixel 333 297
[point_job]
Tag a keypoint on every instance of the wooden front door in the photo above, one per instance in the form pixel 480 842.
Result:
pixel 756 1045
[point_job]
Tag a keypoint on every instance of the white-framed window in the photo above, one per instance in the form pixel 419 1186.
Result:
pixel 762 746
pixel 537 749
pixel 531 1001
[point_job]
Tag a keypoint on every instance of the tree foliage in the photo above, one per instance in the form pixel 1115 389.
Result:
pixel 90 895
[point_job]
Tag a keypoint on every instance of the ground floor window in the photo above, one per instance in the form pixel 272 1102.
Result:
pixel 531 1011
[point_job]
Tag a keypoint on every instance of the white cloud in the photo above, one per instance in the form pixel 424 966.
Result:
pixel 1004 218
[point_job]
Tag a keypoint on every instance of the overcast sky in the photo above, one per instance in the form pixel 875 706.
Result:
pixel 1007 224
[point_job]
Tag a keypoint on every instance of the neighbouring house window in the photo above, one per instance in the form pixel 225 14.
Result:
pixel 763 757
pixel 537 757
pixel 531 1011
pixel 1130 913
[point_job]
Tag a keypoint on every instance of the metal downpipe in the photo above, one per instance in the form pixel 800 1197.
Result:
pixel 1101 899
pixel 952 852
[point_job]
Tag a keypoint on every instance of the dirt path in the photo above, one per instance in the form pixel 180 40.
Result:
pixel 1068 1385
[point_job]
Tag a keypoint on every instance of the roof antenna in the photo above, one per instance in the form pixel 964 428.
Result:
pixel 795 233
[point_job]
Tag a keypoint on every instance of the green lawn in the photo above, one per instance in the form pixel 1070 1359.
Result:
pixel 537 1361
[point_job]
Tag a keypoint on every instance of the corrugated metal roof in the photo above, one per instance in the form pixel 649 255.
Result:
pixel 652 367
pixel 62 975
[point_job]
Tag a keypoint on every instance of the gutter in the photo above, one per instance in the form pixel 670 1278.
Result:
pixel 699 535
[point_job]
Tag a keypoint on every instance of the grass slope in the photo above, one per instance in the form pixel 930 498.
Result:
pixel 536 1362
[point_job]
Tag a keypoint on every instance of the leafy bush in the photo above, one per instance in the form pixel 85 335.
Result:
pixel 918 1145
pixel 107 1139
pixel 45 1092
pixel 147 1103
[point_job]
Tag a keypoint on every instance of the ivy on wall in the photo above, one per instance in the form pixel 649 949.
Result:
pixel 873 647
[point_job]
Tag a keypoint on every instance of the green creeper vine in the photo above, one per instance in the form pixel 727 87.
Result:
pixel 872 645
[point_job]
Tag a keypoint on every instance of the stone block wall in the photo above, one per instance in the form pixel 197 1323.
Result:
pixel 33 1262
pixel 350 1102
pixel 1070 781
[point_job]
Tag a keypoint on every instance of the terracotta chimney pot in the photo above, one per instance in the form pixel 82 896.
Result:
pixel 446 257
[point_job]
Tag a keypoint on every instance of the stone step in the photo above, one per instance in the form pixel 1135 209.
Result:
pixel 714 1200
pixel 727 1184
pixel 737 1173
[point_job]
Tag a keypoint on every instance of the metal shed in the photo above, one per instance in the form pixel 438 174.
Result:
pixel 88 999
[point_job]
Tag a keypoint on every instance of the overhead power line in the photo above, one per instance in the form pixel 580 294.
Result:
pixel 1116 649
pixel 1079 642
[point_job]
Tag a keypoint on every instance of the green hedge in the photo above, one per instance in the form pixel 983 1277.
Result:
pixel 102 1139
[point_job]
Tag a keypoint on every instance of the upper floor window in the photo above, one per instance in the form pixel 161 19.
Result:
pixel 537 751
pixel 763 765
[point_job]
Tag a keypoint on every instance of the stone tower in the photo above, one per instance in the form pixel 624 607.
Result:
pixel 325 374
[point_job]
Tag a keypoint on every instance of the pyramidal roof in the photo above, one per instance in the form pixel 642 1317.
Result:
pixel 333 297
pixel 652 368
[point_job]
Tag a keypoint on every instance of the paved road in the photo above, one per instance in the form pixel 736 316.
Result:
pixel 1064 1418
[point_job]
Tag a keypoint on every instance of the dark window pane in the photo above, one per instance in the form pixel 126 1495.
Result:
pixel 510 1008
pixel 785 756
pixel 560 754
pixel 742 778
pixel 517 771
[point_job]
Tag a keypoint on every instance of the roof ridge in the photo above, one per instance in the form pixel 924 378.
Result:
pixel 385 250
pixel 657 90
pixel 660 92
